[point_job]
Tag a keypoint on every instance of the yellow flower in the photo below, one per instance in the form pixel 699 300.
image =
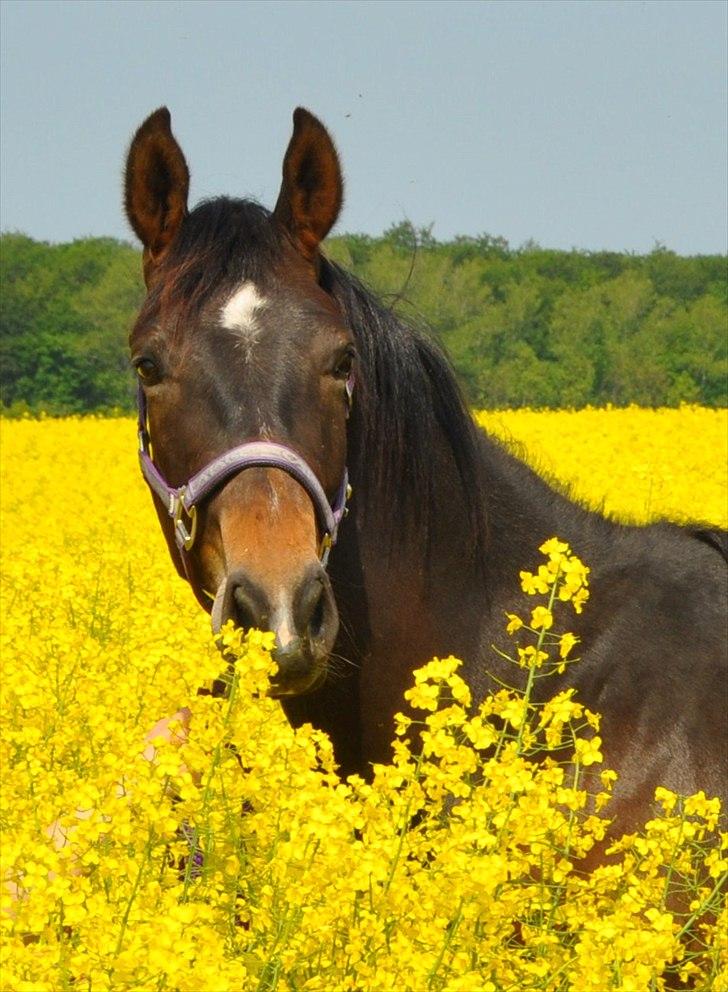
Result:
pixel 533 584
pixel 542 617
pixel 666 798
pixel 423 696
pixel 561 708
pixel 554 548
pixel 566 643
pixel 660 921
pixel 513 711
pixel 634 479
pixel 587 751
pixel 530 657
pixel 228 850
pixel 579 598
pixel 514 623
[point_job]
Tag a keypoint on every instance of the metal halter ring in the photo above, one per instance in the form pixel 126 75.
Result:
pixel 185 537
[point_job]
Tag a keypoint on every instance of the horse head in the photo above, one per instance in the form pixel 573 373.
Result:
pixel 245 368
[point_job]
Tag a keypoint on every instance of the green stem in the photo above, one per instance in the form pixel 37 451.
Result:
pixel 532 668
pixel 207 789
pixel 449 937
pixel 722 880
pixel 403 829
pixel 135 888
pixel 671 866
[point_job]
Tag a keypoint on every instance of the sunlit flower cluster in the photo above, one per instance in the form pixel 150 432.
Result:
pixel 157 839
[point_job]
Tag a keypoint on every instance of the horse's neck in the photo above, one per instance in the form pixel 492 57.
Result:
pixel 405 597
pixel 442 566
pixel 523 511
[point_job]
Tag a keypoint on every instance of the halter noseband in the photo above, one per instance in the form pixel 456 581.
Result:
pixel 182 501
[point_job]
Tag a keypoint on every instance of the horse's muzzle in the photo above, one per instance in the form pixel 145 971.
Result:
pixel 302 615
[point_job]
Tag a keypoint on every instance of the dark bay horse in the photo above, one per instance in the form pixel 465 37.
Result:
pixel 265 372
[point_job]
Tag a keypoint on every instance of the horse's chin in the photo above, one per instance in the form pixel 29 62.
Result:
pixel 300 686
pixel 288 690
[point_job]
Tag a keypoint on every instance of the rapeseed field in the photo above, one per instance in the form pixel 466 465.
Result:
pixel 154 839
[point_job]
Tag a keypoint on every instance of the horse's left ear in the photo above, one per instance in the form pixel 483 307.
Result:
pixel 313 187
pixel 156 183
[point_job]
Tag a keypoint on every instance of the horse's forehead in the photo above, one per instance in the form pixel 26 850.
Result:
pixel 238 312
pixel 243 311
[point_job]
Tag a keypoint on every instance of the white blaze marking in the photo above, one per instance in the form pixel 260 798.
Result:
pixel 283 628
pixel 238 314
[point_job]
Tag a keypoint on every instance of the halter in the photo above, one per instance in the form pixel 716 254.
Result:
pixel 182 501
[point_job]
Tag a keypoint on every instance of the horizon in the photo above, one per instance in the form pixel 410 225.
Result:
pixel 526 246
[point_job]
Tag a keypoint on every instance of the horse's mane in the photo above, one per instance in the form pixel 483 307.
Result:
pixel 406 392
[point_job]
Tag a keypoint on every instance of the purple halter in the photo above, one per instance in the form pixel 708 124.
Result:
pixel 182 501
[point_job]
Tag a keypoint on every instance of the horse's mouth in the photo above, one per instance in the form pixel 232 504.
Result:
pixel 277 691
pixel 288 688
pixel 301 683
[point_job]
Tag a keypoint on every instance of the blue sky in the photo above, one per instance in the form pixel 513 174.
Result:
pixel 577 124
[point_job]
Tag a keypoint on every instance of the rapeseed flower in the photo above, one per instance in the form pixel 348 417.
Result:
pixel 156 839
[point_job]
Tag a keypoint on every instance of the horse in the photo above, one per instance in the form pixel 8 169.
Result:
pixel 316 473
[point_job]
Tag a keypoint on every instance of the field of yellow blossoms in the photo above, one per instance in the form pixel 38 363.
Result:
pixel 219 851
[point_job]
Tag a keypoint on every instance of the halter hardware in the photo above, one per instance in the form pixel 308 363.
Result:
pixel 325 549
pixel 184 537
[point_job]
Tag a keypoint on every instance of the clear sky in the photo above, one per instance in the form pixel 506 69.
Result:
pixel 577 124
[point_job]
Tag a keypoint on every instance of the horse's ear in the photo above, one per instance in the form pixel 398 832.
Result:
pixel 313 187
pixel 156 183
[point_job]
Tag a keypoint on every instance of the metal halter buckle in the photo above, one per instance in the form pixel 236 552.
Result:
pixel 185 536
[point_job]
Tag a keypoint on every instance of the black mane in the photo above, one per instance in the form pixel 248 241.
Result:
pixel 406 396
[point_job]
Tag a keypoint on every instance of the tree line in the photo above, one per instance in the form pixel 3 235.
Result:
pixel 525 326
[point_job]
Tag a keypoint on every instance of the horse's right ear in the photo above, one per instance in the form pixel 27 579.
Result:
pixel 156 183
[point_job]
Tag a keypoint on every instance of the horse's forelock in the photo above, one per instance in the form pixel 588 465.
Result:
pixel 222 243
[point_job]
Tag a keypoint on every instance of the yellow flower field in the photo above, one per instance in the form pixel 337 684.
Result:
pixel 147 859
pixel 634 464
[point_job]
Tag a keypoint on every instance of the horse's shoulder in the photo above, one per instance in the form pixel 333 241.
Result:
pixel 670 554
pixel 663 582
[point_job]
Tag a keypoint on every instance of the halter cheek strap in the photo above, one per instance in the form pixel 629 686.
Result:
pixel 182 501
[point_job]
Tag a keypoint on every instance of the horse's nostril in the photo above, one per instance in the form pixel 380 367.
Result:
pixel 316 622
pixel 309 611
pixel 246 611
pixel 244 604
pixel 314 611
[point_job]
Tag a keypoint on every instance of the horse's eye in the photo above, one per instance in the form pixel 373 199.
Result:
pixel 147 370
pixel 344 365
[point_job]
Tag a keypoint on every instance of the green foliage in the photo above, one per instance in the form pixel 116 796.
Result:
pixel 544 328
pixel 524 327
pixel 66 314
